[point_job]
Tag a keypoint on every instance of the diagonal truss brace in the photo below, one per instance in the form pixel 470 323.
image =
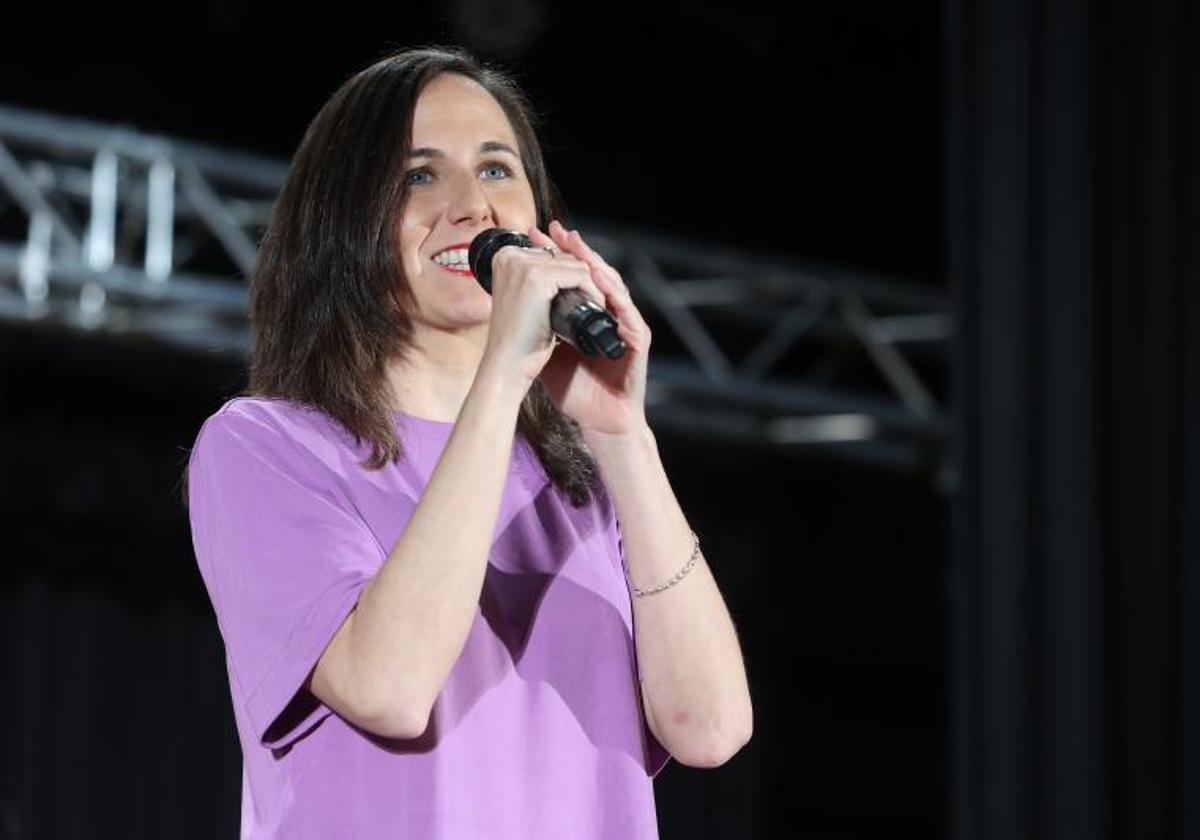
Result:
pixel 106 228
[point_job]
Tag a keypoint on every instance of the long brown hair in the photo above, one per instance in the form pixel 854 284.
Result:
pixel 329 302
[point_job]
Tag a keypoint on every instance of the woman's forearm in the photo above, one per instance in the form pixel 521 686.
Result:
pixel 413 618
pixel 687 648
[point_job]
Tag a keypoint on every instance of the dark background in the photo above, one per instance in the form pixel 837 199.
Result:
pixel 1019 660
pixel 805 129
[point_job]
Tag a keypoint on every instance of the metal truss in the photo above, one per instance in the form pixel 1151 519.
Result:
pixel 108 229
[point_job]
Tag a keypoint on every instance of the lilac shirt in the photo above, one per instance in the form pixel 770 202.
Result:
pixel 538 731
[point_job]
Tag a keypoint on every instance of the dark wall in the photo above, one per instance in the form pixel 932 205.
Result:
pixel 1074 197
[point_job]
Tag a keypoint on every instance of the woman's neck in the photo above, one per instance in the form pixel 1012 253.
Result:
pixel 433 380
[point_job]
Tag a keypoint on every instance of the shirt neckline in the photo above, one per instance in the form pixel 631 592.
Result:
pixel 524 460
pixel 424 422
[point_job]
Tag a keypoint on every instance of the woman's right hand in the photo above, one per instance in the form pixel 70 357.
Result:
pixel 524 282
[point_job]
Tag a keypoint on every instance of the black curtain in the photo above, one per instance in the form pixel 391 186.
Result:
pixel 1072 196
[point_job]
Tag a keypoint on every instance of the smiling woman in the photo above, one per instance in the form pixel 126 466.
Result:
pixel 335 310
pixel 436 639
pixel 462 182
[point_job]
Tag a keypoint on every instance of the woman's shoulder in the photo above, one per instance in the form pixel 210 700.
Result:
pixel 264 409
pixel 277 424
pixel 269 414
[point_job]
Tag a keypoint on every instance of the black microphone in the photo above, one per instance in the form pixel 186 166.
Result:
pixel 573 316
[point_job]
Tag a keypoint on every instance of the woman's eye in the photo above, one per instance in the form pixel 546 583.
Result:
pixel 410 175
pixel 422 175
pixel 498 167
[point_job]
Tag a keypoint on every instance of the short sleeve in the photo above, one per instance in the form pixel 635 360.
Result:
pixel 284 557
pixel 656 754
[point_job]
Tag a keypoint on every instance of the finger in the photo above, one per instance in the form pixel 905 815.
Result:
pixel 619 301
pixel 539 244
pixel 571 243
pixel 589 255
pixel 608 277
pixel 584 283
pixel 561 235
pixel 611 299
pixel 570 272
pixel 562 238
pixel 582 247
pixel 541 240
pixel 599 292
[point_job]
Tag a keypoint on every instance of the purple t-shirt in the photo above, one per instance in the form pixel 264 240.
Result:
pixel 538 731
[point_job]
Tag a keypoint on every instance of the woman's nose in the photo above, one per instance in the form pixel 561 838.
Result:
pixel 468 202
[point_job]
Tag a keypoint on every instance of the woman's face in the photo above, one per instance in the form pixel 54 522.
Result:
pixel 464 176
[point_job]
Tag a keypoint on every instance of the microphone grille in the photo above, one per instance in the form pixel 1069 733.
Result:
pixel 485 245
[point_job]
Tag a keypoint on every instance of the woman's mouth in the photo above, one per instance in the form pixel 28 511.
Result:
pixel 454 259
pixel 456 268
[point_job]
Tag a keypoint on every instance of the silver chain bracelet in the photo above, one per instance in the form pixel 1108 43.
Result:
pixel 678 575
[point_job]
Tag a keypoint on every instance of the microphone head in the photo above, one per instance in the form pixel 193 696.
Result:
pixel 485 245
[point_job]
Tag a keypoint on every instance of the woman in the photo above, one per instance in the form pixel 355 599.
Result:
pixel 435 637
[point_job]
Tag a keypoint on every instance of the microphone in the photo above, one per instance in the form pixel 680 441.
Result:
pixel 573 316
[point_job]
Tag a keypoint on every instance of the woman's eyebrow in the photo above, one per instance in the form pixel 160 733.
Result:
pixel 484 147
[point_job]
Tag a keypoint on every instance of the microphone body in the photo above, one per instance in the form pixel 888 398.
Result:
pixel 573 316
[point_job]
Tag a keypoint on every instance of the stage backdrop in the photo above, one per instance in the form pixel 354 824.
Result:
pixel 1073 230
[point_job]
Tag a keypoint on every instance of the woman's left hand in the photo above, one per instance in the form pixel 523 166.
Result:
pixel 600 394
